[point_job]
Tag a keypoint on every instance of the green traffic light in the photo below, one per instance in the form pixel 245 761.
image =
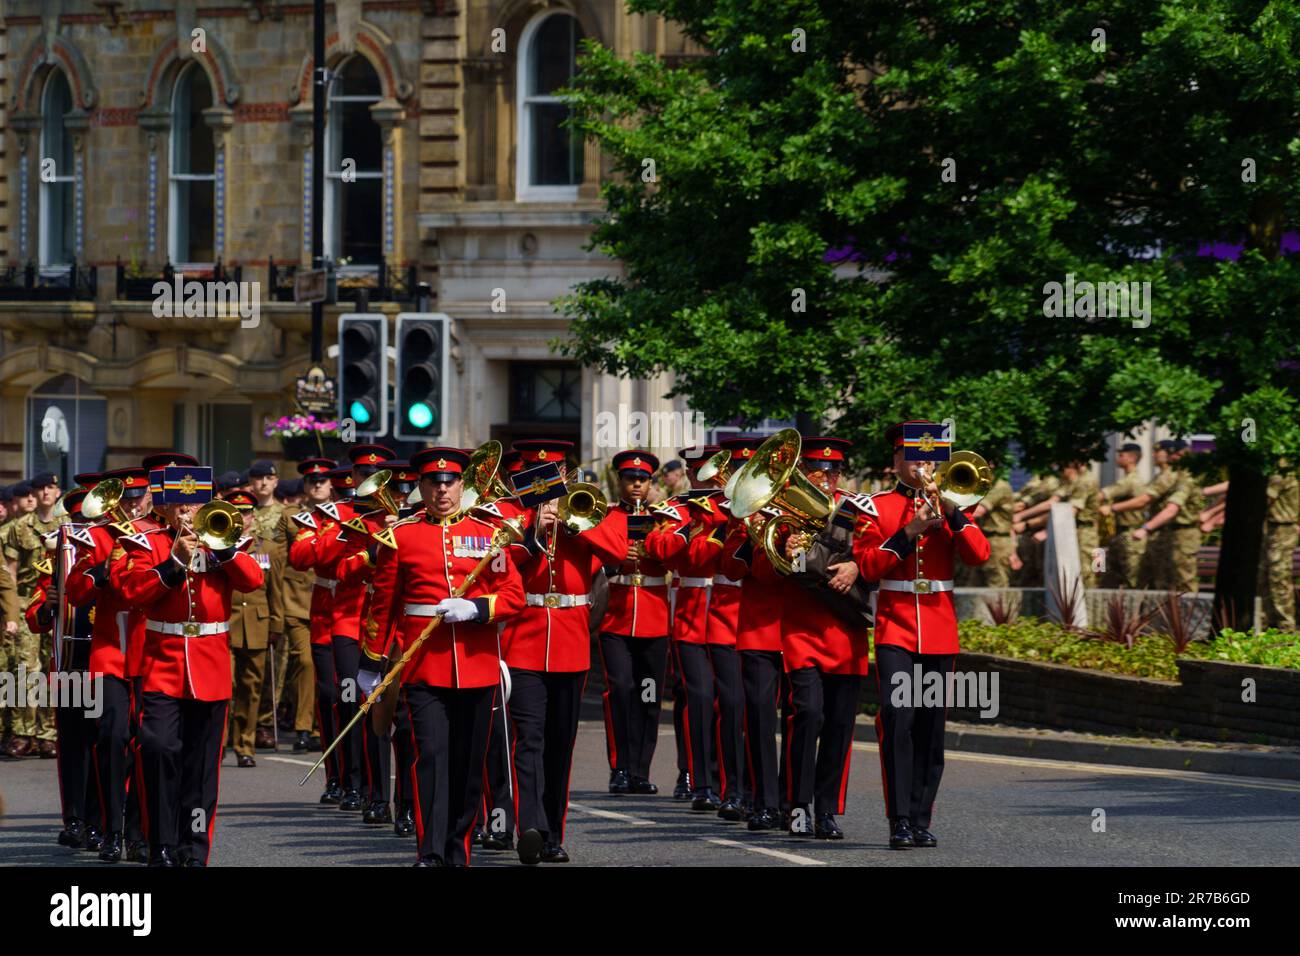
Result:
pixel 420 415
pixel 360 412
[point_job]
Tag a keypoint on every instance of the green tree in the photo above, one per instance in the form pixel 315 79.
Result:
pixel 853 209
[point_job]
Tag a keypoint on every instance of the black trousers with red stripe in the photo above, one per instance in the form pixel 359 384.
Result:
pixel 728 727
pixel 697 676
pixel 679 714
pixel 79 791
pixel 761 673
pixel 180 745
pixel 116 757
pixel 449 731
pixel 544 717
pixel 910 737
pixel 377 753
pixel 347 664
pixel 498 795
pixel 634 682
pixel 403 753
pixel 327 697
pixel 823 708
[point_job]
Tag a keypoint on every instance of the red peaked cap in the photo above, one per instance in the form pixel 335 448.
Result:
pixel 341 479
pixel 135 481
pixel 164 458
pixel 512 461
pixel 825 449
pixel 316 466
pixel 695 461
pixel 370 454
pixel 539 450
pixel 743 446
pixel 72 501
pixel 636 461
pixel 440 461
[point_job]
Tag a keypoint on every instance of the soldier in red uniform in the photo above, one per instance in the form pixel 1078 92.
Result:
pixel 634 634
pixel 318 516
pixel 548 650
pixel 825 659
pixel 184 590
pixel 449 685
pixel 405 480
pixel 912 551
pixel 116 652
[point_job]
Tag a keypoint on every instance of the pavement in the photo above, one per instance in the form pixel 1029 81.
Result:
pixel 993 810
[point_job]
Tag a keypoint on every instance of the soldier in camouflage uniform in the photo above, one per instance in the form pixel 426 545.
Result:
pixel 994 516
pixel 1174 527
pixel 1126 500
pixel 1276 580
pixel 1081 491
pixel 25 545
pixel 1028 549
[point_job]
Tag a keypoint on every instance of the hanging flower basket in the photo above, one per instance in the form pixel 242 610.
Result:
pixel 305 436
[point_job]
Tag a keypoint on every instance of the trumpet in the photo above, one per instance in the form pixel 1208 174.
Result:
pixel 218 525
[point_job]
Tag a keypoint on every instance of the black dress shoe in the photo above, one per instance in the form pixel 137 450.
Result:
pixel 351 801
pixel 800 824
pixel 73 835
pixel 531 844
pixel 383 814
pixel 827 828
pixel 642 785
pixel 554 853
pixel 683 789
pixel 768 818
pixel 705 801
pixel 245 760
pixel 431 860
pixel 404 825
pixel 313 743
pixel 137 851
pixel 731 810
pixel 301 744
pixel 923 837
pixel 192 861
pixel 333 793
pixel 901 838
pixel 94 839
pixel 498 841
pixel 165 856
pixel 619 782
pixel 112 849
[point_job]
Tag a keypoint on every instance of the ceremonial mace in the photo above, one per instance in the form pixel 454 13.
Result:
pixel 509 532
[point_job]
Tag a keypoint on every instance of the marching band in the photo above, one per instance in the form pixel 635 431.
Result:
pixel 451 609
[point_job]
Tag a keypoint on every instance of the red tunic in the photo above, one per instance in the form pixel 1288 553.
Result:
pixel 333 548
pixel 117 636
pixel 921 623
pixel 763 592
pixel 556 639
pixel 303 555
pixel 724 596
pixel 433 558
pixel 190 667
pixel 633 610
pixel 673 546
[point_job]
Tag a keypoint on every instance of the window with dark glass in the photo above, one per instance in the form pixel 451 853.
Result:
pixel 545 393
pixel 192 230
pixel 554 154
pixel 59 180
pixel 354 148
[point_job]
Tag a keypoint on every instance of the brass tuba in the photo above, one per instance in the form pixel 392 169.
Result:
pixel 219 525
pixel 582 507
pixel 772 479
pixel 964 479
pixel 483 482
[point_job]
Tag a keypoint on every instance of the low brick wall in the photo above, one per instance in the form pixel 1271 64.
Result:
pixel 1205 703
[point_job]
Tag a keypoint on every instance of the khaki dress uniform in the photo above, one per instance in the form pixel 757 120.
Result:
pixel 1123 554
pixel 996 525
pixel 295 673
pixel 1186 538
pixel 251 623
pixel 1155 572
pixel 1037 489
pixel 1084 495
pixel 1276 580
pixel 24 543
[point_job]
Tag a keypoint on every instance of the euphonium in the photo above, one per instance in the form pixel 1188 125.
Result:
pixel 717 469
pixel 964 479
pixel 483 478
pixel 219 525
pixel 105 499
pixel 582 508
pixel 772 479
pixel 376 488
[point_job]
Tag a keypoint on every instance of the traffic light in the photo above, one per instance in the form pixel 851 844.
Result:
pixel 421 374
pixel 363 372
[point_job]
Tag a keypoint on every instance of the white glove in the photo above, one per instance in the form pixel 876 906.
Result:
pixel 367 681
pixel 457 610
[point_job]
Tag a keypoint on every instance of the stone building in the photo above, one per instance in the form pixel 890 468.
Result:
pixel 140 136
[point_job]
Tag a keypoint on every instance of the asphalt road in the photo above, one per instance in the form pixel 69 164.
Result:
pixel 992 811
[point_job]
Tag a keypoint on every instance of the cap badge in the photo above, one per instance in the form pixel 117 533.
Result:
pixel 826 452
pixel 636 460
pixel 541 455
pixel 442 462
pixel 373 458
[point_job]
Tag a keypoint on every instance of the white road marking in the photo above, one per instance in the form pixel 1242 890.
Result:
pixel 779 854
pixel 1185 776
pixel 300 763
pixel 612 815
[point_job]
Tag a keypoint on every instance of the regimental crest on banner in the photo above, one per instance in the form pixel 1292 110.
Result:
pixel 535 486
pixel 927 441
pixel 187 485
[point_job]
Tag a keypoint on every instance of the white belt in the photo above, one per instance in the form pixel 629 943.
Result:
pixel 326 583
pixel 421 610
pixel 719 579
pixel 694 582
pixel 553 599
pixel 637 580
pixel 923 586
pixel 188 628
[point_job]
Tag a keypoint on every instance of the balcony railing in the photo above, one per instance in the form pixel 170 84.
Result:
pixel 72 283
pixel 141 288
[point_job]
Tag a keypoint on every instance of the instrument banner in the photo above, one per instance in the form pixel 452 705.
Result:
pixel 535 486
pixel 920 443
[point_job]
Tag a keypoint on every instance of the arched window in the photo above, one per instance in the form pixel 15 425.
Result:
pixel 191 235
pixel 67 428
pixel 354 167
pixel 58 175
pixel 549 157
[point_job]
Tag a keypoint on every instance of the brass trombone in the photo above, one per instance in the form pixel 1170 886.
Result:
pixel 582 507
pixel 964 479
pixel 219 525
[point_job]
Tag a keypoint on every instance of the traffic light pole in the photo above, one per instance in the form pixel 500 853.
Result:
pixel 318 173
